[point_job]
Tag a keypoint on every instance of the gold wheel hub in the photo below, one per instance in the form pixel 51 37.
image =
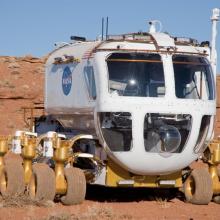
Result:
pixel 190 186
pixel 3 181
pixel 32 186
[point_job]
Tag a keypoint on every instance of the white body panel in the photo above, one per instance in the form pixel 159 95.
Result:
pixel 77 100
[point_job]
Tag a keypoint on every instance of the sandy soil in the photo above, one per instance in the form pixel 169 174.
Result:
pixel 118 204
pixel 21 85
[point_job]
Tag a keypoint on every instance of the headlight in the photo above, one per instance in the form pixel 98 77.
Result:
pixel 170 138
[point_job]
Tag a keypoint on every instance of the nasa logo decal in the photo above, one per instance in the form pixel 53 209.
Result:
pixel 66 80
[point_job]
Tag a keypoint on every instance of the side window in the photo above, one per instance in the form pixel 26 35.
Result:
pixel 193 77
pixel 90 81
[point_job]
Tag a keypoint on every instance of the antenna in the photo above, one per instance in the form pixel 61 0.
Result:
pixel 106 34
pixel 102 29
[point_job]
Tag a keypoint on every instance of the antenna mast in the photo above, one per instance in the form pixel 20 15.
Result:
pixel 102 29
pixel 106 34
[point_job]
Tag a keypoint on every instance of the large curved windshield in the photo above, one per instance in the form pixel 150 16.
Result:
pixel 136 74
pixel 193 77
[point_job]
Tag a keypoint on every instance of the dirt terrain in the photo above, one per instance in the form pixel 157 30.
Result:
pixel 21 85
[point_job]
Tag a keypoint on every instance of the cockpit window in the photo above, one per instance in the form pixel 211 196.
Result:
pixel 136 74
pixel 193 77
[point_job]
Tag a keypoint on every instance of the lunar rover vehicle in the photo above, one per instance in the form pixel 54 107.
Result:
pixel 131 110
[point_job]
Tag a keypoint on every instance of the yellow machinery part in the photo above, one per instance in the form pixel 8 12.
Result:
pixel 212 155
pixel 115 174
pixel 213 170
pixel 3 151
pixel 60 157
pixel 28 154
pixel 214 149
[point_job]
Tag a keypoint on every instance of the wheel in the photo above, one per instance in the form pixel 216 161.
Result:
pixel 42 183
pixel 76 186
pixel 12 178
pixel 198 187
pixel 12 156
pixel 216 198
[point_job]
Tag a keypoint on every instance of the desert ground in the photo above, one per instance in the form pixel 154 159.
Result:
pixel 22 85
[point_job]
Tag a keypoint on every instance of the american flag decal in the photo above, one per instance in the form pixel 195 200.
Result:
pixel 88 54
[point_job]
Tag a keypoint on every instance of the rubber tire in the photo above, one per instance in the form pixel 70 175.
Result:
pixel 12 156
pixel 202 194
pixel 44 179
pixel 76 186
pixel 216 198
pixel 13 173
